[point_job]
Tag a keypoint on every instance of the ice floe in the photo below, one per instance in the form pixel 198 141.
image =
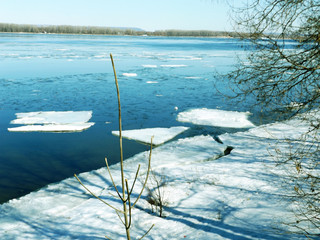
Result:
pixel 75 127
pixel 152 82
pixel 192 77
pixel 149 66
pixel 52 121
pixel 54 117
pixel 161 135
pixel 186 58
pixel 216 117
pixel 129 74
pixel 173 65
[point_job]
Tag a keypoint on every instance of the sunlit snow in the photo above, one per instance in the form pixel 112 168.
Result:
pixel 208 195
pixel 216 117
pixel 161 135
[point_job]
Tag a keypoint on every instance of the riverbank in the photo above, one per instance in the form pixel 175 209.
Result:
pixel 208 195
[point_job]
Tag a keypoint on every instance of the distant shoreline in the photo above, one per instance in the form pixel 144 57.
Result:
pixel 120 35
pixel 110 31
pixel 114 31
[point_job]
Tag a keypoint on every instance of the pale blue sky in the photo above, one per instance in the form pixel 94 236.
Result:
pixel 149 15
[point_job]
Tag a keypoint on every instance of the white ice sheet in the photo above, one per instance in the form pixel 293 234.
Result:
pixel 161 135
pixel 52 121
pixel 216 117
pixel 129 74
pixel 75 127
pixel 52 117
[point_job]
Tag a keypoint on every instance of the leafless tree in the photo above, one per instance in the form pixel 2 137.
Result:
pixel 281 73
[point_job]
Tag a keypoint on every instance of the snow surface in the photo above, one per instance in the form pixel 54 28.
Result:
pixel 208 195
pixel 216 117
pixel 52 121
pixel 161 135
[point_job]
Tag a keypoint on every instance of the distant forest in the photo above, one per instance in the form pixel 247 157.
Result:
pixel 67 29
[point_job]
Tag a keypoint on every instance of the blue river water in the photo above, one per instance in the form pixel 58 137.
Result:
pixel 48 72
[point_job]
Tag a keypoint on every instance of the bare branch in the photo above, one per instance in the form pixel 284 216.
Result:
pixel 147 232
pixel 94 195
pixel 113 183
pixel 147 176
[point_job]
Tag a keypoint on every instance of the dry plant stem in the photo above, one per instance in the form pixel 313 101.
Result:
pixel 125 214
pixel 125 197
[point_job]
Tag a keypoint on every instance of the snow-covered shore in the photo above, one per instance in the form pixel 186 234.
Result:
pixel 209 195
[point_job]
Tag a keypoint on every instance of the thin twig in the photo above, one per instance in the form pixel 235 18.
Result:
pixel 107 238
pixel 146 232
pixel 113 183
pixel 96 195
pixel 148 171
pixel 129 203
pixel 135 179
pixel 121 219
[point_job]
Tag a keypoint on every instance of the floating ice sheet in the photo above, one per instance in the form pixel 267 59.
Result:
pixel 129 74
pixel 149 66
pixel 215 117
pixel 75 127
pixel 52 121
pixel 52 117
pixel 173 65
pixel 152 82
pixel 161 135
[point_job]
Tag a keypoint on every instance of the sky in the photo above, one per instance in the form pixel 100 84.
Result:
pixel 149 15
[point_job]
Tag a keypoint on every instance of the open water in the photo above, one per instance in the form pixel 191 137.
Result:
pixel 47 72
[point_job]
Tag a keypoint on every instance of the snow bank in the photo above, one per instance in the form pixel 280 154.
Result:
pixel 237 196
pixel 161 135
pixel 52 121
pixel 215 117
pixel 65 211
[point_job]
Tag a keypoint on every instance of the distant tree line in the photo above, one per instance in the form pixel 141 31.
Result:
pixel 192 33
pixel 68 29
pixel 62 29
